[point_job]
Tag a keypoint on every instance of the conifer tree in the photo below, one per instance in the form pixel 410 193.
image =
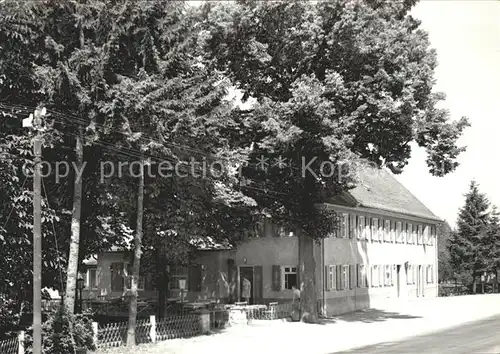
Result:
pixel 467 244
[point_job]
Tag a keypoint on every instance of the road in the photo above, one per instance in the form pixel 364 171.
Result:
pixel 482 337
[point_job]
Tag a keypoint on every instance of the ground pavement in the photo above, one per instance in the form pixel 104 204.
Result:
pixel 389 323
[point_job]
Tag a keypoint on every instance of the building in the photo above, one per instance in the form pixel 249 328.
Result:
pixel 385 248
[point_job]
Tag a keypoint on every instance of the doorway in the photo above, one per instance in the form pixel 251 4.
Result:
pixel 246 284
pixel 398 280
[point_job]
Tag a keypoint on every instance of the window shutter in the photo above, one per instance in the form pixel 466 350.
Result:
pixel 358 277
pixel 276 277
pixel 352 225
pixel 298 277
pixel 338 277
pixel 333 280
pixel 353 276
pixel 326 280
pixel 258 291
pixel 194 278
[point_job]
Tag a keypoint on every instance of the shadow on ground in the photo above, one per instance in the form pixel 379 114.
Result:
pixel 368 316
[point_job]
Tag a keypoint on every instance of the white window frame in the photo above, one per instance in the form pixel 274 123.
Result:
pixel 345 277
pixel 368 228
pixel 409 232
pixel 375 276
pixel 332 277
pixel 87 280
pixel 288 270
pixel 362 275
pixel 344 233
pixel 361 227
pixel 398 231
pixel 387 275
pixel 387 230
pixel 414 235
pixel 375 228
pixel 420 234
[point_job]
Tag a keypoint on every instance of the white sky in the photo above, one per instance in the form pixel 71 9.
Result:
pixel 466 35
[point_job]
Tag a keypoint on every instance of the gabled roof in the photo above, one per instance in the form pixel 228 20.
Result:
pixel 379 189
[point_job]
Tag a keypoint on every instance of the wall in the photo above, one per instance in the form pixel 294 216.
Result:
pixel 265 250
pixel 340 251
pixel 104 262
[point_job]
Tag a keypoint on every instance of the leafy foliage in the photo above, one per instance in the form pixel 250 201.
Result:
pixel 64 332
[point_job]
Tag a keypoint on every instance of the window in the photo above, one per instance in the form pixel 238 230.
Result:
pixel 409 233
pixel 92 278
pixel 375 229
pixel 403 232
pixel 426 234
pixel 344 228
pixel 361 228
pixel 345 277
pixel 117 276
pixel 433 235
pixel 361 276
pixel 393 231
pixel 375 276
pixel 368 230
pixel 398 231
pixel 290 277
pixel 387 231
pixel 414 235
pixel 353 229
pixel 388 276
pixel 409 273
pixel 330 277
pixel 430 274
pixel 128 277
pixel 419 235
pixel 176 274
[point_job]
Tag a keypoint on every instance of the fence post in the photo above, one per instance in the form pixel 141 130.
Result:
pixel 152 332
pixel 204 321
pixel 95 328
pixel 20 339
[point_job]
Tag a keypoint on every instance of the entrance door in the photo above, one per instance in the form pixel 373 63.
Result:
pixel 398 279
pixel 246 284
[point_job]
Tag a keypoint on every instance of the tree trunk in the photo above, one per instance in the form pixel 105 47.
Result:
pixel 474 284
pixel 132 313
pixel 74 246
pixel 307 278
pixel 162 281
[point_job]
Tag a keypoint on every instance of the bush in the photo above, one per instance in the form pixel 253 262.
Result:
pixel 64 333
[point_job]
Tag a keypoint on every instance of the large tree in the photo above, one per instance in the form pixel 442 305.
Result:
pixel 333 81
pixel 468 243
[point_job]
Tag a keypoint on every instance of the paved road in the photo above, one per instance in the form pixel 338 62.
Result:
pixel 482 337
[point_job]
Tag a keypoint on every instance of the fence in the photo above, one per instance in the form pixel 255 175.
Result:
pixel 185 325
pixel 13 345
pixel 149 331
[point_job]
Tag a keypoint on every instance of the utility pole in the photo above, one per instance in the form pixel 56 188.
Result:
pixel 37 230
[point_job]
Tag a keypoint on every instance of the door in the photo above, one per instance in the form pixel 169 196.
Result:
pixel 398 280
pixel 246 284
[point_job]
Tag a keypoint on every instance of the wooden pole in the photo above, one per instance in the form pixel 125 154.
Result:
pixel 37 239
